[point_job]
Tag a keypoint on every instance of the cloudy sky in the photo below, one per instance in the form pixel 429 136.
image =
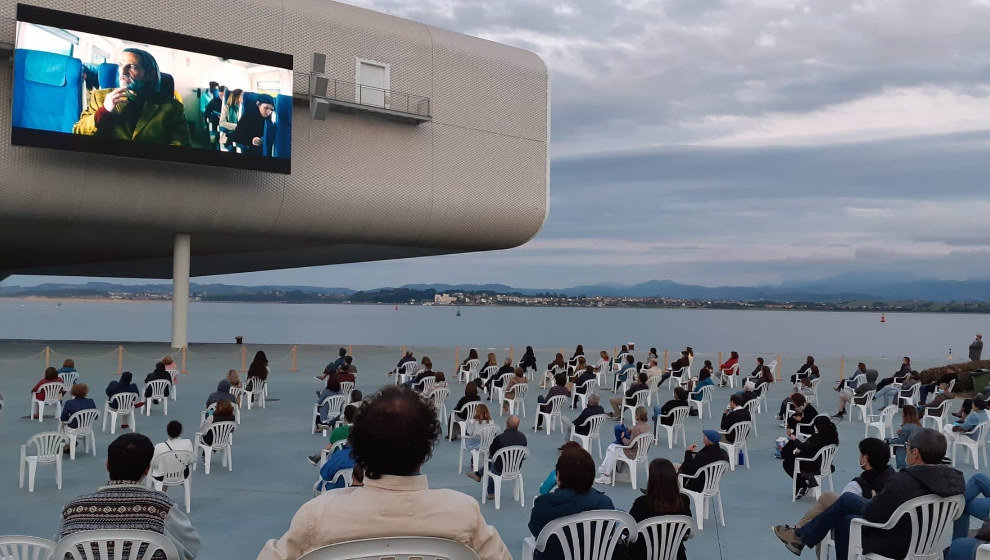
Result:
pixel 736 142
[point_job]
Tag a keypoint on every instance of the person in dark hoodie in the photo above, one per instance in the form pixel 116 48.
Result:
pixel 123 385
pixel 695 460
pixel 159 373
pixel 221 394
pixel 574 494
pixel 925 475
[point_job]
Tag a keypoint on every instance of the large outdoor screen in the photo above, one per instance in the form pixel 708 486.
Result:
pixel 93 85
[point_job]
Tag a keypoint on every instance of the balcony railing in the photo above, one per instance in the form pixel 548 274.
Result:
pixel 358 98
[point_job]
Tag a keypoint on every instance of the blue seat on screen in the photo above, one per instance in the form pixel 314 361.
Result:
pixel 283 136
pixel 47 90
pixel 109 75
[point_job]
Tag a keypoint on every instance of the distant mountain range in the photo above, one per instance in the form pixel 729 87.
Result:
pixel 846 287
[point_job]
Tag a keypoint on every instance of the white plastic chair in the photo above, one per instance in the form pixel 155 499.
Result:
pixel 158 388
pixel 677 415
pixel 883 422
pixel 511 458
pixel 602 370
pixel 426 385
pixel 813 397
pixel 864 405
pixel 498 392
pixel 394 548
pixel 640 398
pixel 21 547
pixel 593 424
pixel 550 374
pixel 642 445
pixel 467 372
pixel 729 375
pixel 485 434
pixel 938 415
pixel 222 441
pixel 125 407
pixel 487 372
pixel 556 404
pixel 468 411
pixel 48 447
pixel 114 544
pixel 346 387
pixel 518 398
pixel 438 396
pixel 706 400
pixel 826 455
pixel 587 388
pixel 931 519
pixel 710 493
pixel 663 535
pixel 913 398
pixel 761 391
pixel 69 378
pixel 53 397
pixel 589 535
pixel 405 372
pixel 983 552
pixel 172 465
pixel 973 445
pixel 84 420
pixel 681 376
pixel 335 406
pixel 174 372
pixel 343 475
pixel 740 431
pixel 753 406
pixel 213 406
pixel 258 390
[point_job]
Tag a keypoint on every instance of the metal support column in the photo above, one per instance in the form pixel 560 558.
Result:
pixel 180 290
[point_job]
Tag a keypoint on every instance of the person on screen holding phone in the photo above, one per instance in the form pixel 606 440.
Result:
pixel 143 108
pixel 255 123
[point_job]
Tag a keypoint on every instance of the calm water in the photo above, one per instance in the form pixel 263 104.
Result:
pixel 793 332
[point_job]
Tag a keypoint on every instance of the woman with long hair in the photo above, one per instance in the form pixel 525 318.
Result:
pixel 825 433
pixel 663 497
pixel 910 423
pixel 528 360
pixel 229 115
pixel 482 417
pixel 259 366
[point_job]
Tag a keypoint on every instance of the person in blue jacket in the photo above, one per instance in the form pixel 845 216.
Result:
pixel 574 494
pixel 339 460
pixel 122 385
pixel 77 403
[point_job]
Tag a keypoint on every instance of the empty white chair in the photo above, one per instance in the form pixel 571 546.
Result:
pixel 642 445
pixel 124 403
pixel 594 424
pixel 222 441
pixel 937 415
pixel 21 547
pixel 739 431
pixel 438 396
pixel 467 372
pixel 174 468
pixel 589 535
pixel 48 447
pixel 753 406
pixel 602 370
pixel 158 389
pixel 518 398
pixel 485 435
pixel 511 458
pixel 467 411
pixel 69 378
pixel 706 400
pixel 931 519
pixel 53 397
pixel 640 398
pixel 677 415
pixel 84 421
pixel 662 536
pixel 710 493
pixel 761 391
pixel 394 548
pixel 555 404
pixel 826 455
pixel 863 403
pixel 973 445
pixel 883 422
pixel 255 387
pixel 586 388
pixel 813 397
pixel 335 407
pixel 93 545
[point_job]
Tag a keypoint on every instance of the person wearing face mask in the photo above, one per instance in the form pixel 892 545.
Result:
pixel 142 109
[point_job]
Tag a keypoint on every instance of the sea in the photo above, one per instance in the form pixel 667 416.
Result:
pixel 921 335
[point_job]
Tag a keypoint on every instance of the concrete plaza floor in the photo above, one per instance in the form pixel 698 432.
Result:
pixel 235 512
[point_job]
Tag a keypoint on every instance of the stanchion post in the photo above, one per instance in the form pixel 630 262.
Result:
pixel 120 360
pixel 512 353
pixel 183 368
pixel 457 358
pixel 403 352
pixel 777 373
pixel 48 357
pixel 293 368
pixel 562 351
pixel 719 358
pixel 243 359
pixel 350 351
pixel 666 356
pixel 842 368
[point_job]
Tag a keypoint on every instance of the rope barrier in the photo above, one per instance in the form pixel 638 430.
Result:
pixel 78 357
pixel 32 356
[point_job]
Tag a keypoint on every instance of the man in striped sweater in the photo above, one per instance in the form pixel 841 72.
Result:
pixel 124 503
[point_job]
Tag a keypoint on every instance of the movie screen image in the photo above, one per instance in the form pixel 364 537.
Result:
pixel 105 87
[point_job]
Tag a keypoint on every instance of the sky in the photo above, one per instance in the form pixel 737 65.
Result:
pixel 735 142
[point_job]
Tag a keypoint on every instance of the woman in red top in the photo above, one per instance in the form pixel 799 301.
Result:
pixel 51 374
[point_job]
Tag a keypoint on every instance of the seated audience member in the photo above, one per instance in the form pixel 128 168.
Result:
pixel 764 376
pixel 528 360
pixel 77 403
pixel 175 442
pixel 159 373
pixel 680 399
pixel 233 378
pixel 482 417
pixel 340 433
pixel 653 369
pixel 578 353
pixel 617 402
pixel 804 412
pixel 974 418
pixel 910 423
pixel 808 369
pixel 608 464
pixel 594 408
pixel 663 497
pixel 424 373
pixel 171 368
pixel 439 380
pixel 758 369
pixel 574 494
pixel 559 388
pixel 258 368
pixel 519 378
pixel 332 389
pixel 734 413
pixel 857 395
pixel 578 366
pixel 695 460
pixel 68 366
pixel 393 436
pixel 925 475
pixel 128 461
pixel 804 388
pixel 725 369
pixel 485 377
pixel 678 366
pixel 221 394
pixel 977 494
pixel 706 367
pixel 623 374
pixel 899 374
pixel 874 459
pixel 51 376
pixel 122 385
pixel 582 376
pixel 948 377
pixel 855 379
pixel 470 395
pixel 334 366
pixel 495 381
pixel 891 393
pixel 510 436
pixel 550 482
pixel 824 433
pixel 407 357
pixel 224 412
pixel 337 461
pixel 346 372
pixel 942 394
pixel 694 387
